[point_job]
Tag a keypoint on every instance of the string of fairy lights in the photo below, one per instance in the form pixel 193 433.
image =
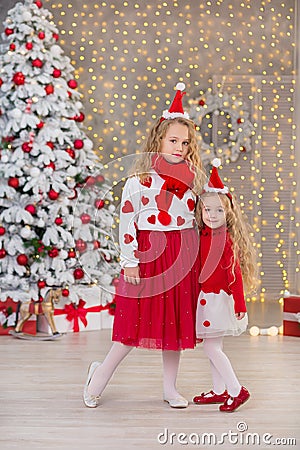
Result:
pixel 128 56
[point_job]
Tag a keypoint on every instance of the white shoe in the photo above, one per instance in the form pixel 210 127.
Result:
pixel 91 401
pixel 177 402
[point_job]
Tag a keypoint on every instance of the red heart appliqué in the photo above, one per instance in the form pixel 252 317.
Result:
pixel 128 238
pixel 191 204
pixel 180 221
pixel 152 219
pixel 147 182
pixel 145 200
pixel 127 207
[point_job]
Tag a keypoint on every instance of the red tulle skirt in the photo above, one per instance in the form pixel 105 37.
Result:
pixel 160 312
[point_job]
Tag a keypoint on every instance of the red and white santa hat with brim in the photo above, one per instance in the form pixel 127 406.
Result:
pixel 215 184
pixel 176 108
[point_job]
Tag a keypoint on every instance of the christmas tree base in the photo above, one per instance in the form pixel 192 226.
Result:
pixel 36 337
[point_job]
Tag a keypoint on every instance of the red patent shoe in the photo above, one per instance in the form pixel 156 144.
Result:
pixel 210 398
pixel 236 401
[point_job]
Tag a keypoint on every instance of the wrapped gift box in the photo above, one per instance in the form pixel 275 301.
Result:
pixel 8 310
pixel 291 316
pixel 89 314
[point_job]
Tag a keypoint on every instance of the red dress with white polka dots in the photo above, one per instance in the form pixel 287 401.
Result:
pixel 222 293
pixel 157 232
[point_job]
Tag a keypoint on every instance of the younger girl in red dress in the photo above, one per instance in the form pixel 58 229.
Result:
pixel 227 265
pixel 156 298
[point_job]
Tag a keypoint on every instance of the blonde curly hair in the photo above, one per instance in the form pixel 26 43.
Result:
pixel 158 131
pixel 241 233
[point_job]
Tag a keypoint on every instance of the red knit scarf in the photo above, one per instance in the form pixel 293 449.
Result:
pixel 178 179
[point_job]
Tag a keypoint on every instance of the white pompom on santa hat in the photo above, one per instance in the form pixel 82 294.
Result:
pixel 176 108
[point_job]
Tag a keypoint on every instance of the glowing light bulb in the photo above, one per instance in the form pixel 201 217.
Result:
pixel 272 331
pixel 254 331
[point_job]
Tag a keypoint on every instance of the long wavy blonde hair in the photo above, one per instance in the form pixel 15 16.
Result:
pixel 241 235
pixel 158 131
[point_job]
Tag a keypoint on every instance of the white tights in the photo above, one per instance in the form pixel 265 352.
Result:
pixel 222 372
pixel 115 356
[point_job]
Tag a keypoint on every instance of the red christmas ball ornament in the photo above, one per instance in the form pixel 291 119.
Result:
pixel 78 144
pixel 12 47
pixel 19 78
pixel 100 179
pixel 90 181
pixel 8 139
pixel 41 284
pixel 26 147
pixel 96 245
pixel 53 253
pixel 8 31
pixel 56 73
pixel 71 254
pixel 201 102
pixel 2 231
pixel 78 274
pixel 49 89
pixel 29 45
pixel 72 84
pixel 81 245
pixel 39 4
pixel 13 182
pixel 37 63
pixel 58 220
pixel 51 165
pixel 55 36
pixel 2 253
pixel 65 292
pixel 50 144
pixel 22 259
pixel 53 195
pixel 40 125
pixel 41 35
pixel 99 203
pixel 31 209
pixel 71 152
pixel 1 82
pixel 69 94
pixel 240 120
pixel 115 282
pixel 79 118
pixel 85 218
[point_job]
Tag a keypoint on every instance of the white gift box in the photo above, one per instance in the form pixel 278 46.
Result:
pixel 87 315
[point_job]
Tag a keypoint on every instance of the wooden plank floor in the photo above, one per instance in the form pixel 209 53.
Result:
pixel 42 408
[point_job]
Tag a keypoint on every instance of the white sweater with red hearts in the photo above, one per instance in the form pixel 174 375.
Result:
pixel 139 212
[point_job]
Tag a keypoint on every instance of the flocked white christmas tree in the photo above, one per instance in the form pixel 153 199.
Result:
pixel 55 210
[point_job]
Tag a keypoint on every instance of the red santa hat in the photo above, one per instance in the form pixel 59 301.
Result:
pixel 176 108
pixel 215 184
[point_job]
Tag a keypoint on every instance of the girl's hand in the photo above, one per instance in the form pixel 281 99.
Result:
pixel 132 275
pixel 240 315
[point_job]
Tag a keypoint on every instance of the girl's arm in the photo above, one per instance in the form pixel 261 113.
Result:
pixel 240 315
pixel 235 282
pixel 132 275
pixel 129 212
